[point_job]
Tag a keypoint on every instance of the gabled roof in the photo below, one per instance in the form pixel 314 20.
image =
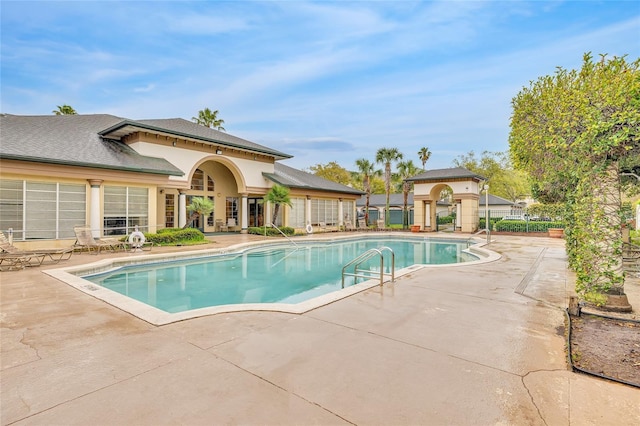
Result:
pixel 73 140
pixel 294 178
pixel 189 130
pixel 444 174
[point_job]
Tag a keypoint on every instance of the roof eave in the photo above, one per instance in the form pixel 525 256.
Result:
pixel 104 133
pixel 92 165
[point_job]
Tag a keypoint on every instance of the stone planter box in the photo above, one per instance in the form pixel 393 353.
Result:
pixel 415 228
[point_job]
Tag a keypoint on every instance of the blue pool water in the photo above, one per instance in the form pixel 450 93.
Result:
pixel 280 274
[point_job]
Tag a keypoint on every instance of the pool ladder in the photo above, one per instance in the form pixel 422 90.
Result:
pixel 366 273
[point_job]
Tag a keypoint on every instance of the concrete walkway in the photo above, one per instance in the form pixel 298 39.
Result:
pixel 466 345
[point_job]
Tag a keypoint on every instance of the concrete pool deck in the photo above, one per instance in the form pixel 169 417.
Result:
pixel 482 344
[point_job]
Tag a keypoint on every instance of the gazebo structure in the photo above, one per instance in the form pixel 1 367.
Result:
pixel 466 187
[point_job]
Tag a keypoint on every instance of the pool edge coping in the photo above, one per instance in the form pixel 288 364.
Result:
pixel 159 317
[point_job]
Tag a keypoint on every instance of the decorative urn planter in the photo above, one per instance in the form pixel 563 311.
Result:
pixel 556 232
pixel 415 228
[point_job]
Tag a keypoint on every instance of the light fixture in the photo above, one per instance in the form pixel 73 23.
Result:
pixel 219 151
pixel 174 143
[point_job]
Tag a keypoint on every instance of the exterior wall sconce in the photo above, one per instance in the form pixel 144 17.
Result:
pixel 219 151
pixel 174 143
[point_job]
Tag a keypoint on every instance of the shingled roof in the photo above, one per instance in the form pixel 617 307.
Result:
pixel 294 178
pixel 443 174
pixel 73 140
pixel 187 129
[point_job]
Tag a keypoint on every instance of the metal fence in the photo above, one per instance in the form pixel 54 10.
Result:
pixel 519 221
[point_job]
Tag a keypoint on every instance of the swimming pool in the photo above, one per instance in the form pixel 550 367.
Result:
pixel 281 277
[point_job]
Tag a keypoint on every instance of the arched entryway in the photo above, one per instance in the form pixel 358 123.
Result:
pixel 465 192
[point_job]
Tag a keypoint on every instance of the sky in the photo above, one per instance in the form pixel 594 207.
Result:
pixel 322 81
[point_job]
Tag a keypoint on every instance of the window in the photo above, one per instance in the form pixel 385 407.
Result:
pixel 170 211
pixel 232 208
pixel 348 209
pixel 296 215
pixel 197 181
pixel 124 209
pixel 210 218
pixel 324 211
pixel 41 210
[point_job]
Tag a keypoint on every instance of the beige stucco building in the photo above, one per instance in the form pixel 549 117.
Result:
pixel 116 174
pixel 465 186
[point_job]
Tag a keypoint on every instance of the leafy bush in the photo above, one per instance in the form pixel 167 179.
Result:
pixel 442 220
pixel 269 231
pixel 165 230
pixel 172 236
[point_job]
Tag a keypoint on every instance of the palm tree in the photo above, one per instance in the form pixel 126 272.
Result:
pixel 386 156
pixel 199 206
pixel 366 171
pixel 209 118
pixel 278 195
pixel 424 154
pixel 406 169
pixel 64 110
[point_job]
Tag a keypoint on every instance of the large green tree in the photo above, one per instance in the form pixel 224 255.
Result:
pixel 406 169
pixel 332 171
pixel 574 130
pixel 366 171
pixel 505 180
pixel 64 110
pixel 387 156
pixel 209 118
pixel 278 195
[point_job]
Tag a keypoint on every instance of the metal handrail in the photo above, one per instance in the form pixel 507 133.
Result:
pixel 283 234
pixel 366 256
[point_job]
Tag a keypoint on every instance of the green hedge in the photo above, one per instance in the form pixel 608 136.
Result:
pixel 170 236
pixel 443 220
pixel 261 230
pixel 522 226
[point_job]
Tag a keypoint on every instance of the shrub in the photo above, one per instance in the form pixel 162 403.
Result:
pixel 269 231
pixel 171 236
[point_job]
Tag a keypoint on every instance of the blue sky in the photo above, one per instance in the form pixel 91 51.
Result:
pixel 322 81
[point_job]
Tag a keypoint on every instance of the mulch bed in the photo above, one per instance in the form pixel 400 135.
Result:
pixel 606 346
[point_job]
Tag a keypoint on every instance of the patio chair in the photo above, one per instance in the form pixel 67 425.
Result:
pixel 380 225
pixel 231 223
pixel 54 255
pixel 362 225
pixel 348 226
pixel 16 262
pixel 219 225
pixel 84 239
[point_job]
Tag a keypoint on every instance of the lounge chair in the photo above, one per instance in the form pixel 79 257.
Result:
pixel 85 240
pixel 16 262
pixel 380 225
pixel 13 254
pixel 231 223
pixel 348 226
pixel 362 225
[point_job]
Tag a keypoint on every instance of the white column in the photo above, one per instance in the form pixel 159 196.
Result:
pixel 245 214
pixel 340 213
pixel 459 214
pixel 307 212
pixel 182 209
pixel 427 214
pixel 94 207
